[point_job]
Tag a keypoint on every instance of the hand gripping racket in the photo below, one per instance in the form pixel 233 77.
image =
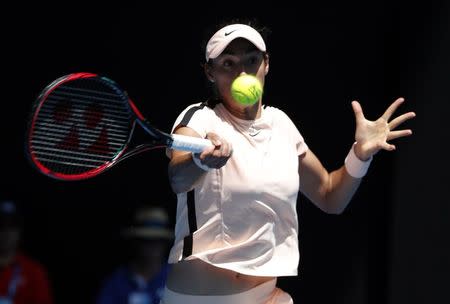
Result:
pixel 82 125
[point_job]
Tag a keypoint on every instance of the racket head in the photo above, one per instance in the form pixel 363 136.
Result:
pixel 80 125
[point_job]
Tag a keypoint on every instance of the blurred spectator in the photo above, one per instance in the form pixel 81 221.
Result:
pixel 141 280
pixel 22 279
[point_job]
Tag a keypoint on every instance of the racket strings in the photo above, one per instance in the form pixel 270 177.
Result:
pixel 81 125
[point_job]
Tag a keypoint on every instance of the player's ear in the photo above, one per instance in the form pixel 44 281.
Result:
pixel 208 72
pixel 266 61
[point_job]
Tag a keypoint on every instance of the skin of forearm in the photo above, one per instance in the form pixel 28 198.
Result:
pixel 340 190
pixel 183 173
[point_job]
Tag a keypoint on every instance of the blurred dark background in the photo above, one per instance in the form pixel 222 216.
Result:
pixel 392 243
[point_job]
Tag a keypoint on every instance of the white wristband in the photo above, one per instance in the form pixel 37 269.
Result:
pixel 199 164
pixel 354 166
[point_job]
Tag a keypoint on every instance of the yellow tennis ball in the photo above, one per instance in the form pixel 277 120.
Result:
pixel 246 89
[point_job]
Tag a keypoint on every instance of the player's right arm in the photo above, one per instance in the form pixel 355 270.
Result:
pixel 184 172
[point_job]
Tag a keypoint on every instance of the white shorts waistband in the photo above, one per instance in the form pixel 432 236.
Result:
pixel 265 293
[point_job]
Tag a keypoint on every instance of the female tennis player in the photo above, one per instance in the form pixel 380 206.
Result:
pixel 236 221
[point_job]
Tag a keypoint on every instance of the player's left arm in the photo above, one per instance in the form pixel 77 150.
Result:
pixel 333 191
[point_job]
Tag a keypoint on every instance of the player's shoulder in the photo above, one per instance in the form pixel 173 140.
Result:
pixel 275 112
pixel 200 110
pixel 198 106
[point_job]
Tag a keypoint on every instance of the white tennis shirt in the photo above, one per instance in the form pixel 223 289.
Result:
pixel 244 214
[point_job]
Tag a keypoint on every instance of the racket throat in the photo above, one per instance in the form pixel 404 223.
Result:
pixel 158 137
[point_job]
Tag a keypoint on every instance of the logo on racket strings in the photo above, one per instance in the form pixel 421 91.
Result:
pixel 85 125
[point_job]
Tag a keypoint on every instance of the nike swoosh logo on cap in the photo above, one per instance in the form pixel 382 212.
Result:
pixel 226 34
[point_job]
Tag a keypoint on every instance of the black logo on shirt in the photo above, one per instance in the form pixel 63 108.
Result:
pixel 253 132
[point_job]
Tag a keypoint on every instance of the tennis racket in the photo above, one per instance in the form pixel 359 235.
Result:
pixel 82 124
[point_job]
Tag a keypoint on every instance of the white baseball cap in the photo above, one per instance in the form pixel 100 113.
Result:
pixel 220 40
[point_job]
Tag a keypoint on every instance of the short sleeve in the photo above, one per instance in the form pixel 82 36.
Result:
pixel 195 116
pixel 300 143
pixel 293 133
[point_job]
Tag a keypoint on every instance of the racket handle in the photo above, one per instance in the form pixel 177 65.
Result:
pixel 190 143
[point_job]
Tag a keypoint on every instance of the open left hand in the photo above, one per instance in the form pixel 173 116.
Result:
pixel 372 136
